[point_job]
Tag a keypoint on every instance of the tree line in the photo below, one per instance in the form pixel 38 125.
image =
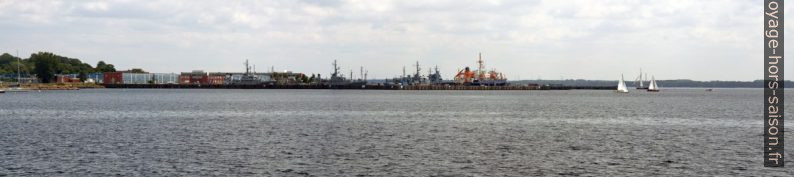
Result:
pixel 46 65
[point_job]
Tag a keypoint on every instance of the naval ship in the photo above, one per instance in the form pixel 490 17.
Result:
pixel 481 76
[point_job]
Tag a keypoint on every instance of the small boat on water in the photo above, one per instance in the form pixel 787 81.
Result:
pixel 2 91
pixel 652 87
pixel 709 90
pixel 622 86
pixel 17 89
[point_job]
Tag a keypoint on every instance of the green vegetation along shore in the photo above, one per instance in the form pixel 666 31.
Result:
pixel 57 86
pixel 46 65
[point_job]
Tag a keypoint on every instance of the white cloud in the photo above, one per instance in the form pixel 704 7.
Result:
pixel 96 6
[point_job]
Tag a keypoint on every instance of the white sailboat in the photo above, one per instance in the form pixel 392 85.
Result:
pixel 18 88
pixel 652 87
pixel 638 82
pixel 622 86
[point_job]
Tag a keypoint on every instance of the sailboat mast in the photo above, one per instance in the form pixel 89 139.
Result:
pixel 640 80
pixel 19 62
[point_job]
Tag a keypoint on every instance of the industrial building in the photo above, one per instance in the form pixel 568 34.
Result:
pixel 202 78
pixel 123 77
pixel 199 77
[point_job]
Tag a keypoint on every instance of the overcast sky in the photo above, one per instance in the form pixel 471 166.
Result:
pixel 700 40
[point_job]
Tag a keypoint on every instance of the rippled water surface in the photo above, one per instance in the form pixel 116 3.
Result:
pixel 681 132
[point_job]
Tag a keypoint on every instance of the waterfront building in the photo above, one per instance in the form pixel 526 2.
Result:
pixel 202 78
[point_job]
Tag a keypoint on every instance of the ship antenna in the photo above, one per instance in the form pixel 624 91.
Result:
pixel 336 70
pixel 247 67
pixel 417 69
pixel 481 63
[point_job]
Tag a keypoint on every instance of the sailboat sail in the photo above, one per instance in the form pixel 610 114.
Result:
pixel 641 81
pixel 652 85
pixel 622 85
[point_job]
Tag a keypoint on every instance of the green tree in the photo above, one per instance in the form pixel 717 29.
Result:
pixel 101 66
pixel 8 64
pixel 137 70
pixel 6 58
pixel 83 76
pixel 46 66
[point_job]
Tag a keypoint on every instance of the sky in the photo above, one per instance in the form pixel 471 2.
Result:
pixel 524 39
